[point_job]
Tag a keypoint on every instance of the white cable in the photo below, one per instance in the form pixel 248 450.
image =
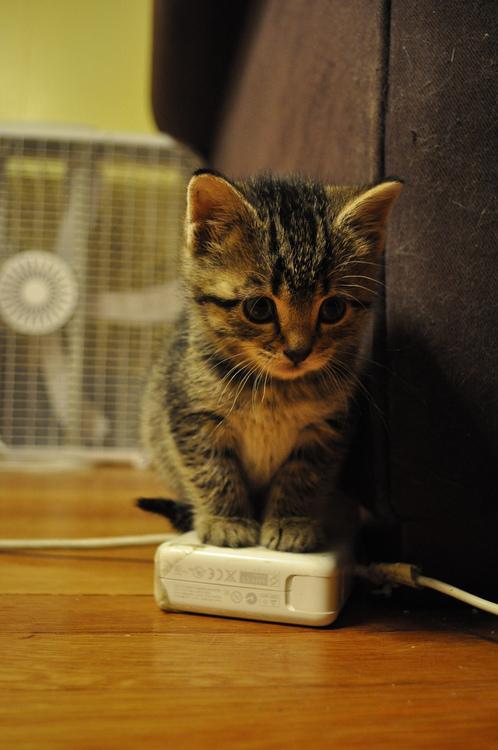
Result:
pixel 404 574
pixel 463 596
pixel 92 543
pixel 394 574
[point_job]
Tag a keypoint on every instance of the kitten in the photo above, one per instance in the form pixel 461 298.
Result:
pixel 246 414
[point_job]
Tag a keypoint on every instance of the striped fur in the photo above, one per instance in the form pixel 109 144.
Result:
pixel 251 439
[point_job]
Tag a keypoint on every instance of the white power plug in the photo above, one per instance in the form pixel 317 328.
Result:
pixel 257 583
pixel 252 582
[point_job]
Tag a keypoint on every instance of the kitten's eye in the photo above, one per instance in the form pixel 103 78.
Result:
pixel 259 309
pixel 332 310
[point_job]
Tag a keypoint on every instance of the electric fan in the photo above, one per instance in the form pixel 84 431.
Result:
pixel 90 228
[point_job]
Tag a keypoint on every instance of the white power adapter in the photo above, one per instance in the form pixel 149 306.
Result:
pixel 252 582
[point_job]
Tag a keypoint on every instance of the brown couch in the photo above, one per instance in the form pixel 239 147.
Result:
pixel 349 92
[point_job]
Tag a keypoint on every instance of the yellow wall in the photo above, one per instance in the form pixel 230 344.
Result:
pixel 82 62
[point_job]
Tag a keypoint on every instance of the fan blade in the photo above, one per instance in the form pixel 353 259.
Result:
pixel 153 304
pixel 82 421
pixel 4 248
pixel 56 371
pixel 78 195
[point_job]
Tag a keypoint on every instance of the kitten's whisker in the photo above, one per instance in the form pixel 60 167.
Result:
pixel 331 375
pixel 245 377
pixel 227 359
pixel 388 369
pixel 234 372
pixel 360 276
pixel 226 393
pixel 377 364
pixel 349 261
pixel 267 375
pixel 340 386
pixel 232 358
pixel 345 370
pixel 352 261
pixel 235 367
pixel 349 373
pixel 348 295
pixel 224 378
pixel 241 387
pixel 322 374
pixel 255 386
pixel 358 286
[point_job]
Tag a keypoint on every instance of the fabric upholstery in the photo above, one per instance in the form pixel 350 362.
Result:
pixel 442 284
pixel 349 92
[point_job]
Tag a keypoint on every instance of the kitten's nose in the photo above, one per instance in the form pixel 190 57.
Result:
pixel 297 355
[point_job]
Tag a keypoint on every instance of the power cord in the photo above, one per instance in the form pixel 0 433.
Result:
pixel 142 540
pixel 405 574
pixel 380 574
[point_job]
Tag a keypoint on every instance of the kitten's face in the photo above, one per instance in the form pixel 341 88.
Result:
pixel 291 336
pixel 284 272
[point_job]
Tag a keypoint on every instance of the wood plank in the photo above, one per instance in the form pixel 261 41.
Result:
pixel 75 503
pixel 453 718
pixel 98 502
pixel 89 661
pixel 150 661
pixel 118 613
pixel 119 572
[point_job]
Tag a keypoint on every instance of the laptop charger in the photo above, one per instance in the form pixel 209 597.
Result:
pixel 253 583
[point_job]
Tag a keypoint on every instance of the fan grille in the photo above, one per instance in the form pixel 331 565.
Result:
pixel 111 214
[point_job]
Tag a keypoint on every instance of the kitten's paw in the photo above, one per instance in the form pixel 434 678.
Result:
pixel 292 534
pixel 228 532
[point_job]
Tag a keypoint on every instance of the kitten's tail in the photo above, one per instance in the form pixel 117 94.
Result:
pixel 180 514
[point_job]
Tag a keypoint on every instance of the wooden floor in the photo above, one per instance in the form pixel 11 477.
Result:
pixel 88 661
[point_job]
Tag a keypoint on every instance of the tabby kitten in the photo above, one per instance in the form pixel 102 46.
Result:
pixel 246 412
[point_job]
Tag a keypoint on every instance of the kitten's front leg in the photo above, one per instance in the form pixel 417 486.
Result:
pixel 214 482
pixel 223 514
pixel 297 501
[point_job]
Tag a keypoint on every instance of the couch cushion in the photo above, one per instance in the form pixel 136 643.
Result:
pixel 442 285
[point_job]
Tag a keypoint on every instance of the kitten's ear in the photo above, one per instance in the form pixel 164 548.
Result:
pixel 210 197
pixel 366 214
